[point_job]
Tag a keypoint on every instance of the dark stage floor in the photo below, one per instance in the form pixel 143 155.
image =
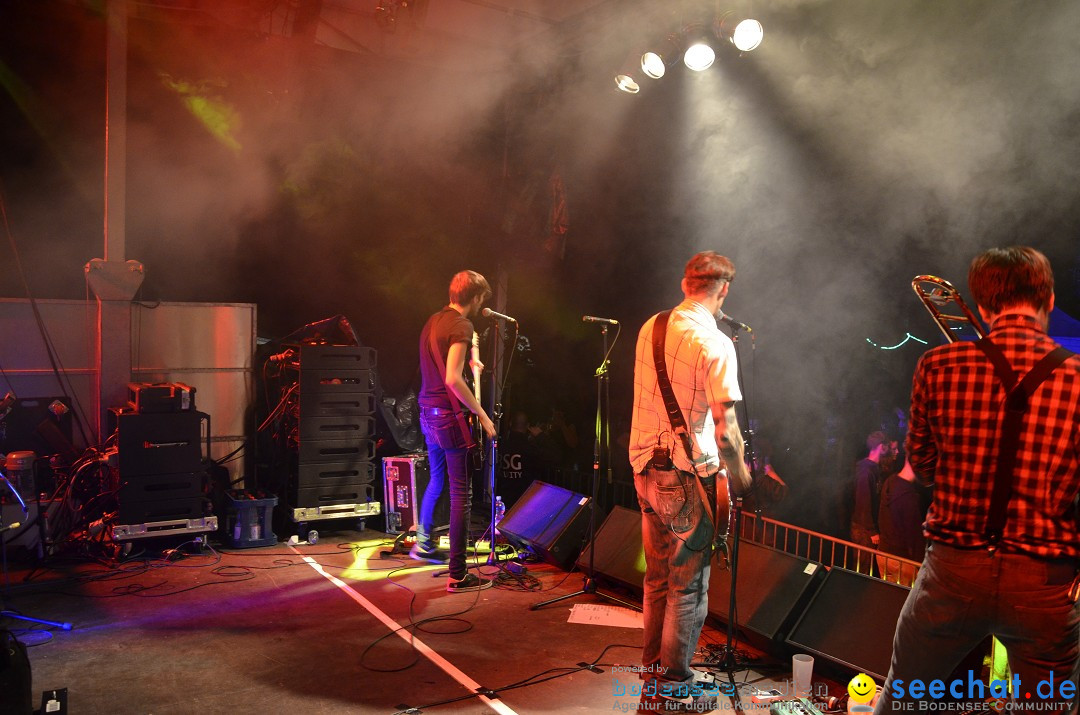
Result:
pixel 322 629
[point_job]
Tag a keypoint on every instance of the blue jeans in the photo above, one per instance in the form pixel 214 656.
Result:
pixel 963 595
pixel 446 465
pixel 677 556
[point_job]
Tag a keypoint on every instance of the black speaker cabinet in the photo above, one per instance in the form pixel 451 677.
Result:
pixel 550 521
pixel 161 443
pixel 851 621
pixel 619 553
pixel 771 591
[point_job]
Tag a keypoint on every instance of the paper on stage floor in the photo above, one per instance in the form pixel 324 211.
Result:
pixel 599 615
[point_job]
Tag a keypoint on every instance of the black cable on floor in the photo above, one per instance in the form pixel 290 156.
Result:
pixel 550 673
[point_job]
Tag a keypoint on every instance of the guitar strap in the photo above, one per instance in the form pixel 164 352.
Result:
pixel 459 412
pixel 1016 406
pixel 675 417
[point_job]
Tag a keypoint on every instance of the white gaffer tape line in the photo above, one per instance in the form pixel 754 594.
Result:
pixel 424 649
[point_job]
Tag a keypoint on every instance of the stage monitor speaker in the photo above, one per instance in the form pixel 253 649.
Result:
pixel 550 521
pixel 851 621
pixel 619 553
pixel 772 589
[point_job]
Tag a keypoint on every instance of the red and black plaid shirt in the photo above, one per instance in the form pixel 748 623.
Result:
pixel 957 405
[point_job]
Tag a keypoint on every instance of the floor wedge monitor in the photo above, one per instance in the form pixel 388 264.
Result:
pixel 851 621
pixel 550 521
pixel 772 589
pixel 619 554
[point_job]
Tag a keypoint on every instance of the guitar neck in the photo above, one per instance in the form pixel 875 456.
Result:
pixel 475 354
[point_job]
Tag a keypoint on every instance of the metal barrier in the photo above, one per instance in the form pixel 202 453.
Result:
pixel 827 550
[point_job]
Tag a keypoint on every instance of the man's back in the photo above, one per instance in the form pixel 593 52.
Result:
pixel 701 367
pixel 956 413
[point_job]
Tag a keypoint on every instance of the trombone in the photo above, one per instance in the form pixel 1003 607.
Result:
pixel 938 294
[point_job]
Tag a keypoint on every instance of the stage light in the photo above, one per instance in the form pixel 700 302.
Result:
pixel 652 64
pixel 659 57
pixel 699 56
pixel 745 33
pixel 626 83
pixel 625 78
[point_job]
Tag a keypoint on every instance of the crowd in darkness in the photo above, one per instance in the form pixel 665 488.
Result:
pixel 548 450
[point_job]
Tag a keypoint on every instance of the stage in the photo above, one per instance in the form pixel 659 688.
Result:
pixel 325 628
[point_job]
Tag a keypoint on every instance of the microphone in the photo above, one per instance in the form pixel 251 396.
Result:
pixel 734 324
pixel 594 319
pixel 489 313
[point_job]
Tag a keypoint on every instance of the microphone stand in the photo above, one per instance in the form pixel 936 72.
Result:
pixel 601 444
pixel 493 443
pixel 729 665
pixel 3 555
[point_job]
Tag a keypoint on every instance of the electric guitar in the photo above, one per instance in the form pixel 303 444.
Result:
pixel 474 421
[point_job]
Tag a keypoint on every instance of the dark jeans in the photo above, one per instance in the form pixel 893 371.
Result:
pixel 961 596
pixel 676 584
pixel 446 465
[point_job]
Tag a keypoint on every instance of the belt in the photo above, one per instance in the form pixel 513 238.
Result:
pixel 436 411
pixel 1011 551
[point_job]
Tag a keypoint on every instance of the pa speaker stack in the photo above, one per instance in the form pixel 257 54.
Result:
pixel 335 461
pixel 161 472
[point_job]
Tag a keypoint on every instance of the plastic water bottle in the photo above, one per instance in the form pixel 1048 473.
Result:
pixel 500 509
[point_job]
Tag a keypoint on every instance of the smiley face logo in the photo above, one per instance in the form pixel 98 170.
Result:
pixel 861 689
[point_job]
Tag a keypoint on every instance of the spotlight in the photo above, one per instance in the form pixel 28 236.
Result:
pixel 626 83
pixel 699 56
pixel 745 33
pixel 655 61
pixel 625 78
pixel 652 64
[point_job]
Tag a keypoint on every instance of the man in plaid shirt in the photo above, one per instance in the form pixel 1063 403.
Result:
pixel 1018 582
pixel 677 533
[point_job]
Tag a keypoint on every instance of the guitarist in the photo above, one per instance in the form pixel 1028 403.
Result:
pixel 444 400
pixel 673 485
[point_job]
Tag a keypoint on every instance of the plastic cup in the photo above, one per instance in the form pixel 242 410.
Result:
pixel 802 672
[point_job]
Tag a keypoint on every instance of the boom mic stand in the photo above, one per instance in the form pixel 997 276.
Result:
pixel 729 665
pixel 601 443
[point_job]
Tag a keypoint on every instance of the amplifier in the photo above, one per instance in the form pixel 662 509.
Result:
pixel 161 397
pixel 162 443
pixel 336 357
pixel 161 487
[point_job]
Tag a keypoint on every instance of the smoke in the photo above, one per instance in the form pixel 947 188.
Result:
pixel 356 171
